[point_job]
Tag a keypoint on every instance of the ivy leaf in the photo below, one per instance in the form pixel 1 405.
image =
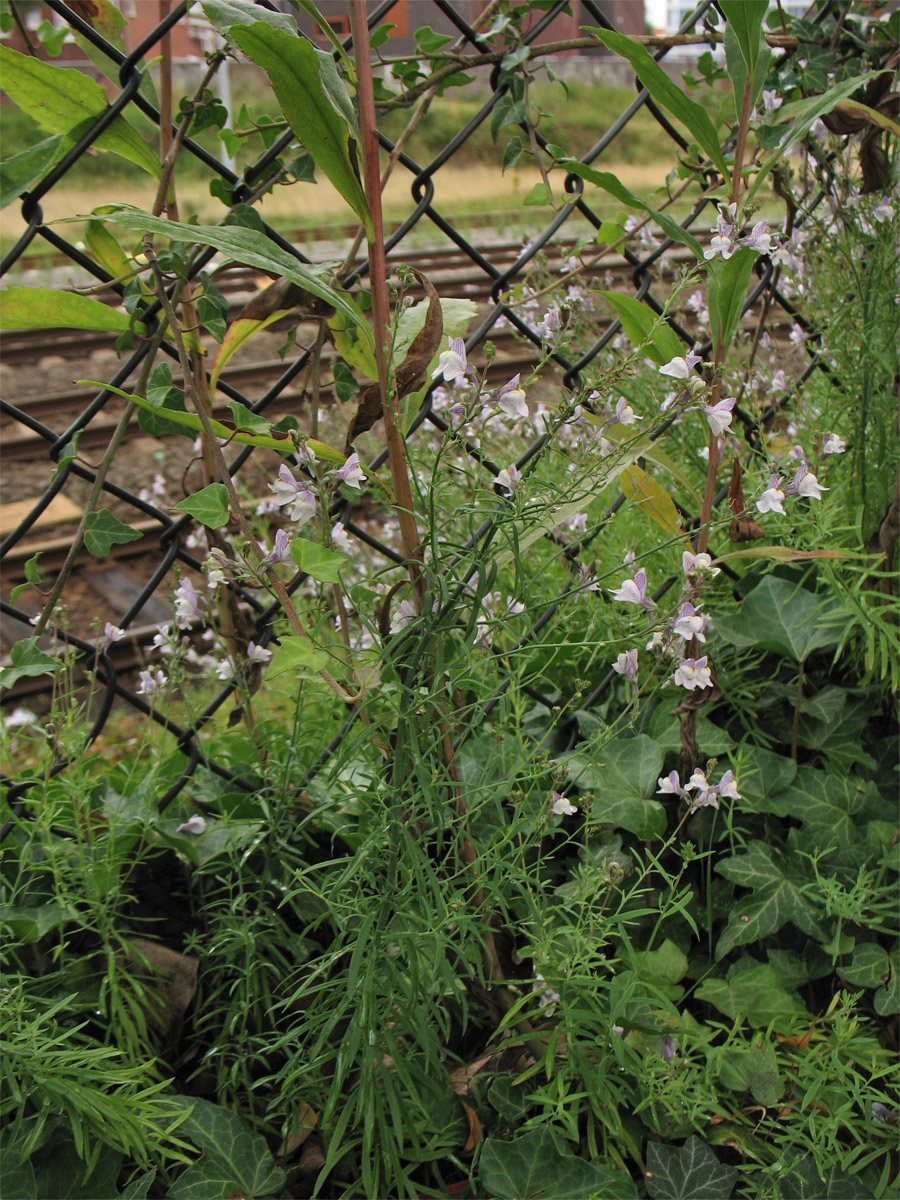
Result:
pixel 28 662
pixel 663 968
pixel 102 531
pixel 780 894
pixel 753 1068
pixel 691 1170
pixel 162 394
pixel 870 966
pixel 297 654
pixel 834 811
pixel 887 998
pixel 47 308
pixel 20 171
pixel 535 1165
pixel 246 420
pixel 622 782
pixel 802 1182
pixel 208 506
pixel 317 560
pixel 752 994
pixel 234 1158
pixel 664 729
pixel 778 615
pixel 763 780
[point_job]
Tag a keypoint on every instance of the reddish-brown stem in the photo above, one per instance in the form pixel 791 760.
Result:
pixel 412 544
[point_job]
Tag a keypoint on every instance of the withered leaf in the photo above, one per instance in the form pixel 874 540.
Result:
pixel 175 985
pixel 743 528
pixel 282 295
pixel 475 1131
pixel 410 375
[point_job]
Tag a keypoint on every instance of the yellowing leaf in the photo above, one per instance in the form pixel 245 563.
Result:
pixel 653 499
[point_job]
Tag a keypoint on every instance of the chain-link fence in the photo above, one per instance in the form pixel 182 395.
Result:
pixel 495 281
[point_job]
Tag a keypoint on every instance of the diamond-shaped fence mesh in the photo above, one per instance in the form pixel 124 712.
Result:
pixel 461 263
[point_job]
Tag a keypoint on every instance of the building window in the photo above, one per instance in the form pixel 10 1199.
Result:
pixel 340 25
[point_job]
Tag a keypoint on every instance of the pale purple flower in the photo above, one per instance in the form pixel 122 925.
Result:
pixel 625 414
pixel 655 643
pixel 719 415
pixel 188 604
pixel 698 564
pixel 279 553
pixel 693 673
pixel 304 454
pixel 779 381
pixel 152 683
pixel 215 567
pixel 697 305
pixel 452 363
pixel 561 807
pixel 511 399
pixel 340 538
pixel 680 368
pixel 634 591
pixel 771 100
pixel 224 670
pixel 195 825
pixel 405 614
pixel 258 653
pixel 833 443
pixel 297 497
pixel 707 795
pixel 112 633
pixel 690 623
pixel 548 997
pixel 627 664
pixel 772 497
pixel 805 484
pixel 722 241
pixel 728 787
pixel 350 473
pixel 509 477
pixel 628 558
pixel 884 210
pixel 797 335
pixel 758 238
pixel 669 1047
pixel 670 785
pixel 165 642
pixel 550 326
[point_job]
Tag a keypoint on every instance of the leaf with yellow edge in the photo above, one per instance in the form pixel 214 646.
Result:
pixel 239 332
pixel 654 500
pixel 788 554
pixel 283 442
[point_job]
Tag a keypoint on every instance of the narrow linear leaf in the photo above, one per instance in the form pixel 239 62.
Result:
pixel 668 95
pixel 643 327
pixel 727 292
pixel 46 308
pixel 611 183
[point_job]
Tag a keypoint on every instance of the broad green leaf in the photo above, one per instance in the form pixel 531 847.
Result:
pixel 803 1182
pixel 317 560
pixel 832 721
pixel 102 531
pixel 745 19
pixel 275 440
pixel 781 616
pixel 139 1187
pixel 763 778
pixel 534 1164
pixel 208 506
pixel 20 171
pixel 691 1170
pixel 753 1068
pixel 727 292
pixel 663 967
pixel 753 995
pixel 610 183
pixel 48 308
pixel 163 396
pixel 59 1171
pixel 645 328
pixel 652 499
pixel 235 1159
pixel 246 420
pixel 224 15
pixel 28 661
pixel 297 655
pixel 667 94
pixel 621 784
pixel 244 245
pixel 783 890
pixel 31 924
pixel 869 967
pixel 834 810
pixel 62 99
pixel 304 81
pixel 793 970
